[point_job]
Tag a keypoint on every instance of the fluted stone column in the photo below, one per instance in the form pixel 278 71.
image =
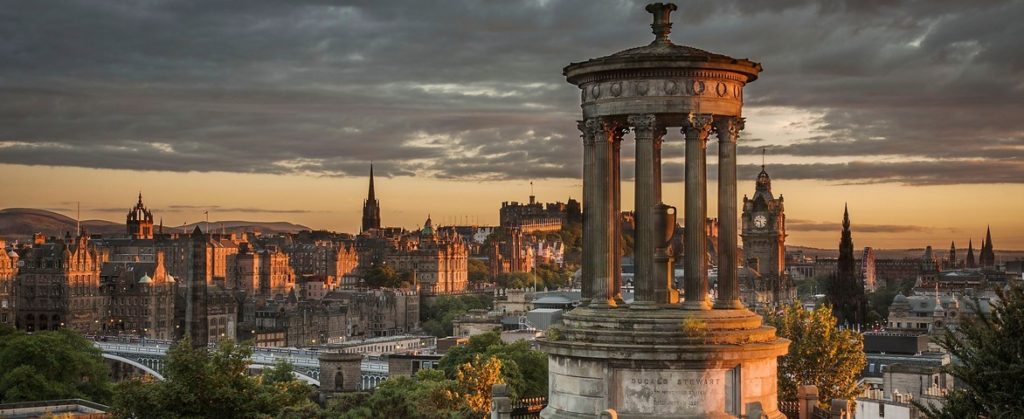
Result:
pixel 603 191
pixel 643 243
pixel 617 134
pixel 587 261
pixel 728 129
pixel 696 129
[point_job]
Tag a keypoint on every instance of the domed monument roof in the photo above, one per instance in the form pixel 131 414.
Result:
pixel 661 53
pixel 662 78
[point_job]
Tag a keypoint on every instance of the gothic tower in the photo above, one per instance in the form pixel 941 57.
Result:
pixel 846 293
pixel 952 255
pixel 140 221
pixel 764 241
pixel 988 254
pixel 371 208
pixel 196 326
pixel 970 255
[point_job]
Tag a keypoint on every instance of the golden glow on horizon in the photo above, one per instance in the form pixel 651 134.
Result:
pixel 942 213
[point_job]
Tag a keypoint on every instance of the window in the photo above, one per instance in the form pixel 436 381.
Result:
pixel 871 367
pixel 881 409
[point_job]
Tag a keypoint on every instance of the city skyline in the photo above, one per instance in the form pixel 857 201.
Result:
pixel 406 210
pixel 906 111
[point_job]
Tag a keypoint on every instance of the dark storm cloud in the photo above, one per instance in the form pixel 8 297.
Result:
pixel 915 92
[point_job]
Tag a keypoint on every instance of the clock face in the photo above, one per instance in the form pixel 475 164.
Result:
pixel 760 221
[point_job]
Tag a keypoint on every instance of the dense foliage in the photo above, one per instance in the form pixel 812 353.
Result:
pixel 543 277
pixel 525 370
pixel 382 276
pixel 477 272
pixel 990 354
pixel 438 315
pixel 430 394
pixel 214 383
pixel 51 365
pixel 819 354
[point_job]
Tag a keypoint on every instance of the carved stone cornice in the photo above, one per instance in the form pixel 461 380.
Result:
pixel 697 126
pixel 728 128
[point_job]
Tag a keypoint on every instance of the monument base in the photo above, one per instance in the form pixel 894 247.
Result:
pixel 668 363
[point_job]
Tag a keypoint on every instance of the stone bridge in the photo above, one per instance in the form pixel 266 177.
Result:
pixel 148 356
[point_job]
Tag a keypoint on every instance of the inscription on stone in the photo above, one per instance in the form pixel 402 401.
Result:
pixel 675 392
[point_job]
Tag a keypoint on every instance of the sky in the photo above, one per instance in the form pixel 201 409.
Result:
pixel 909 111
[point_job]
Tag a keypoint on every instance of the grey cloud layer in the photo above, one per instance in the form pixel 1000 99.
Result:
pixel 473 89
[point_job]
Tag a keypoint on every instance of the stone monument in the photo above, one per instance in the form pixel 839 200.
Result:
pixel 668 353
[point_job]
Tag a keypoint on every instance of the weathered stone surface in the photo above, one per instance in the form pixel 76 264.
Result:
pixel 671 358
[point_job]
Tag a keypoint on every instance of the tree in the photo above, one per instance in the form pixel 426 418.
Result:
pixel 437 317
pixel 525 370
pixel 476 379
pixel 478 272
pixel 819 354
pixel 51 365
pixel 990 354
pixel 203 383
pixel 427 395
pixel 382 276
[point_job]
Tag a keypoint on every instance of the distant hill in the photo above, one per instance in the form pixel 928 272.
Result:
pixel 22 223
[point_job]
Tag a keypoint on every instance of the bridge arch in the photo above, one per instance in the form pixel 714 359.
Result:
pixel 135 364
pixel 299 375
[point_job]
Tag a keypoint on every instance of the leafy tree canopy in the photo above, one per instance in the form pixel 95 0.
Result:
pixel 214 383
pixel 50 365
pixel 819 354
pixel 989 354
pixel 437 317
pixel 382 276
pixel 525 370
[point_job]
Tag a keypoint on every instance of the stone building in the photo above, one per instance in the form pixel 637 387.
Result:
pixel 438 263
pixel 261 271
pixel 510 254
pixel 379 312
pixel 535 216
pixel 141 298
pixel 764 246
pixel 327 258
pixel 669 352
pixel 8 272
pixel 59 286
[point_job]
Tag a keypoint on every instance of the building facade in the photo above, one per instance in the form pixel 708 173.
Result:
pixel 764 246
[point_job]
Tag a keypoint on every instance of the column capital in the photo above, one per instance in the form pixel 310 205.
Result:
pixel 586 131
pixel 728 128
pixel 697 126
pixel 643 122
pixel 602 129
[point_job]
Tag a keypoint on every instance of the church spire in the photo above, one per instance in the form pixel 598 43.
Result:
pixel 371 207
pixel 371 196
pixel 846 217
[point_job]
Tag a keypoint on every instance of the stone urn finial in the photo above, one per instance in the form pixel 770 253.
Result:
pixel 662 25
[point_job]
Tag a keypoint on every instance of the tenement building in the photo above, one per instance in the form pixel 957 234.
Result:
pixel 8 272
pixel 59 286
pixel 669 352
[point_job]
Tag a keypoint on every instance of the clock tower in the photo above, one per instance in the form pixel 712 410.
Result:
pixel 764 246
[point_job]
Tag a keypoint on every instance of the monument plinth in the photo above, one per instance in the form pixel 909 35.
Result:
pixel 670 352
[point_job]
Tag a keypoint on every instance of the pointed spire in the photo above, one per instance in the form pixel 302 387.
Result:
pixel 988 236
pixel 846 217
pixel 371 195
pixel 140 197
